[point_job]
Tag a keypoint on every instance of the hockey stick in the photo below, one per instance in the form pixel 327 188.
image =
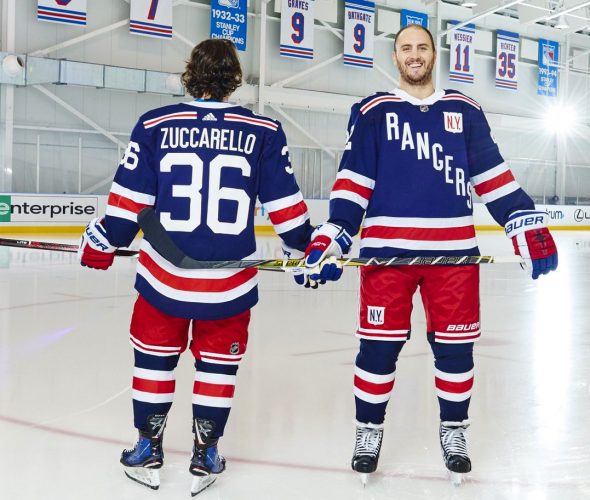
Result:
pixel 159 239
pixel 56 247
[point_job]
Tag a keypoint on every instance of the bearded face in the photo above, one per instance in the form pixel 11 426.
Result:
pixel 414 57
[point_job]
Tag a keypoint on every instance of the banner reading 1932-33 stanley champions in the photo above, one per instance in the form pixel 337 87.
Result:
pixel 62 11
pixel 548 61
pixel 507 44
pixel 359 30
pixel 229 19
pixel 151 18
pixel 462 42
pixel 297 22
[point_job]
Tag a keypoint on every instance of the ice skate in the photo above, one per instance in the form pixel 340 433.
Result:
pixel 453 444
pixel 143 461
pixel 206 461
pixel 366 450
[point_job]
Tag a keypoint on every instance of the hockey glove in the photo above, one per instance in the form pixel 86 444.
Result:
pixel 329 242
pixel 301 276
pixel 532 241
pixel 95 251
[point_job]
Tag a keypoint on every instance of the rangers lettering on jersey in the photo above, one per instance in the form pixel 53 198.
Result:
pixel 420 142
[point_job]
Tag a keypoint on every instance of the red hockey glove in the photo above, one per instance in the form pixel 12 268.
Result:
pixel 329 242
pixel 532 241
pixel 95 251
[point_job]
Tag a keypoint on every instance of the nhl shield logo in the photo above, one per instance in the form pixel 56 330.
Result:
pixel 235 348
pixel 453 122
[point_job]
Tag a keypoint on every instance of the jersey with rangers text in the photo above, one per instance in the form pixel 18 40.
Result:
pixel 409 167
pixel 202 165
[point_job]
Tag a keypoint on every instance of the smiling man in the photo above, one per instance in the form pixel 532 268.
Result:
pixel 412 159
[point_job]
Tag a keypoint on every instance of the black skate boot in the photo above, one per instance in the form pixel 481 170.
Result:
pixel 453 444
pixel 366 450
pixel 206 461
pixel 143 461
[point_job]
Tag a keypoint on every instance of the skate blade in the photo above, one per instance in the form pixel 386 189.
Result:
pixel 201 482
pixel 364 479
pixel 457 478
pixel 144 476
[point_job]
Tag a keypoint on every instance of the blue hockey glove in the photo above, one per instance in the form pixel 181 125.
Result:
pixel 329 242
pixel 532 241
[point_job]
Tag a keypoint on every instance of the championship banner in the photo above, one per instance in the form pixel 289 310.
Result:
pixel 548 60
pixel 229 19
pixel 461 59
pixel 62 11
pixel 507 60
pixel 151 18
pixel 359 33
pixel 411 17
pixel 297 22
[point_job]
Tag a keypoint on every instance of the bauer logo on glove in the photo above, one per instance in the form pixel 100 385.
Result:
pixel 95 250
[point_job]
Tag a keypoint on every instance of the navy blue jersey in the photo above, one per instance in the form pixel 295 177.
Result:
pixel 409 168
pixel 202 165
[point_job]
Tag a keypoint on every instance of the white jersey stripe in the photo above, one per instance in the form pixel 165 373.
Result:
pixel 419 244
pixel 121 213
pixel 281 203
pixel 453 377
pixel 350 196
pixel 143 198
pixel 356 178
pixel 489 174
pixel 151 397
pixel 500 192
pixel 283 227
pixel 373 377
pixel 159 375
pixel 215 378
pixel 215 402
pixel 451 396
pixel 419 222
pixel 155 347
pixel 372 398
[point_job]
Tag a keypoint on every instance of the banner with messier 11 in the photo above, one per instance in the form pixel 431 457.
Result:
pixel 359 33
pixel 461 60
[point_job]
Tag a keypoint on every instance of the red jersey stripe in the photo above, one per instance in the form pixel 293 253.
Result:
pixel 348 185
pixel 214 390
pixel 373 388
pixel 116 200
pixel 289 213
pixel 154 386
pixel 454 387
pixel 195 284
pixel 495 183
pixel 414 233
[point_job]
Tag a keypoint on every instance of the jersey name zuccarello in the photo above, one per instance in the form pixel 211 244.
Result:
pixel 211 138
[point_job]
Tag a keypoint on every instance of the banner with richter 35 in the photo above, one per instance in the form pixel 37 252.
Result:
pixel 548 61
pixel 507 60
pixel 462 42
pixel 62 11
pixel 297 22
pixel 359 32
pixel 151 18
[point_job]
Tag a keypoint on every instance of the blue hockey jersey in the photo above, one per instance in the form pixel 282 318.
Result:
pixel 409 168
pixel 202 165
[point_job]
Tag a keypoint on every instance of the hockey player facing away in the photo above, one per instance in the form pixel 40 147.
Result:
pixel 201 165
pixel 412 158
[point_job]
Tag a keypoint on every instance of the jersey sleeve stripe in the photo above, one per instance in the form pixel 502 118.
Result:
pixel 498 193
pixel 357 178
pixel 289 213
pixel 419 234
pixel 144 198
pixel 495 183
pixel 489 174
pixel 348 185
pixel 252 121
pixel 121 213
pixel 285 202
pixel 291 224
pixel 118 201
pixel 378 100
pixel 350 196
pixel 185 115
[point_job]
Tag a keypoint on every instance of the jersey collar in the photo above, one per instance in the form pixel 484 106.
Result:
pixel 431 99
pixel 211 104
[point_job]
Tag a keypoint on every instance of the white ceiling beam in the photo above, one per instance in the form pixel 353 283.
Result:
pixel 307 71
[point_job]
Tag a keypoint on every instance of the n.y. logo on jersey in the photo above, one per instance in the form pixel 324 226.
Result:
pixel 375 315
pixel 453 122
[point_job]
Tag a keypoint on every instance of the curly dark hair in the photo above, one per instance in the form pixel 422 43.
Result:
pixel 213 71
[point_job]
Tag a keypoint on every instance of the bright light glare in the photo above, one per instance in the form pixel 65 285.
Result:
pixel 560 119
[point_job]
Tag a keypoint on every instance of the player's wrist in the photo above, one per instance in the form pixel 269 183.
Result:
pixel 525 220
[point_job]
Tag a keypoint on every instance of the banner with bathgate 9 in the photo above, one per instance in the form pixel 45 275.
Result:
pixel 359 33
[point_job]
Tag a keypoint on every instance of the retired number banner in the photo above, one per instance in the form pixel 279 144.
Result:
pixel 297 22
pixel 151 18
pixel 359 31
pixel 62 11
pixel 412 17
pixel 229 19
pixel 507 60
pixel 548 60
pixel 462 47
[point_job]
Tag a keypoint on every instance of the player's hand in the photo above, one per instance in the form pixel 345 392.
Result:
pixel 329 242
pixel 533 241
pixel 95 251
pixel 300 275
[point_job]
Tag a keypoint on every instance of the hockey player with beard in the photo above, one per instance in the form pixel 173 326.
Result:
pixel 412 158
